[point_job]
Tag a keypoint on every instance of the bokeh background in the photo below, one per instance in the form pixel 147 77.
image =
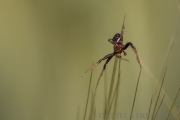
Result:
pixel 45 46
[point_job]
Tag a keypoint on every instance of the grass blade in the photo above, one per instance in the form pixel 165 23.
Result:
pixel 173 103
pixel 159 105
pixel 110 89
pixel 92 105
pixel 178 114
pixel 135 94
pixel 112 80
pixel 149 108
pixel 105 91
pixel 114 97
pixel 88 95
pixel 117 91
pixel 159 93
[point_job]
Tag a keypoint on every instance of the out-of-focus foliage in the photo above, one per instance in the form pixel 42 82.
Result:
pixel 45 46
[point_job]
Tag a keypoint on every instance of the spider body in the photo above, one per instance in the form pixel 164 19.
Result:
pixel 119 48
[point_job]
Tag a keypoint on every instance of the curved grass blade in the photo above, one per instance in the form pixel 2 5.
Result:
pixel 92 115
pixel 178 114
pixel 149 108
pixel 111 88
pixel 117 92
pixel 112 79
pixel 135 94
pixel 105 91
pixel 88 95
pixel 173 103
pixel 159 94
pixel 159 105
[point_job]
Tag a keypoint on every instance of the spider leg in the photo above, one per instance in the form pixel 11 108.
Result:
pixel 135 51
pixel 104 58
pixel 124 53
pixel 109 58
pixel 119 56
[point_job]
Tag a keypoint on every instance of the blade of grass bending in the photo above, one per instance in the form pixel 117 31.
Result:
pixel 88 95
pixel 160 105
pixel 173 103
pixel 112 83
pixel 149 108
pixel 105 90
pixel 135 94
pixel 159 93
pixel 112 79
pixel 117 92
pixel 92 104
pixel 178 114
pixel 113 98
pixel 167 55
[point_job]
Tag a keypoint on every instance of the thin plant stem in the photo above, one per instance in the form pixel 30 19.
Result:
pixel 117 91
pixel 173 103
pixel 110 104
pixel 159 93
pixel 92 104
pixel 149 108
pixel 178 114
pixel 135 94
pixel 88 95
pixel 111 85
pixel 112 80
pixel 105 91
pixel 159 105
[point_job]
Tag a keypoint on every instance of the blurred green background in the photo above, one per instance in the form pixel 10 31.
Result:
pixel 45 46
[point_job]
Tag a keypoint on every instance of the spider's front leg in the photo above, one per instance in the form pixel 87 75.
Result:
pixel 104 67
pixel 104 58
pixel 135 51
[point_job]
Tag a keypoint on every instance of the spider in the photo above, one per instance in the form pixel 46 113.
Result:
pixel 119 48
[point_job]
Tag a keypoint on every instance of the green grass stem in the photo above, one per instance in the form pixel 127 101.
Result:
pixel 173 103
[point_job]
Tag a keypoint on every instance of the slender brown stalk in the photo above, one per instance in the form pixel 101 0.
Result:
pixel 135 94
pixel 113 97
pixel 112 80
pixel 159 93
pixel 117 92
pixel 173 103
pixel 92 105
pixel 159 105
pixel 105 91
pixel 88 95
pixel 149 108
pixel 111 88
pixel 178 114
